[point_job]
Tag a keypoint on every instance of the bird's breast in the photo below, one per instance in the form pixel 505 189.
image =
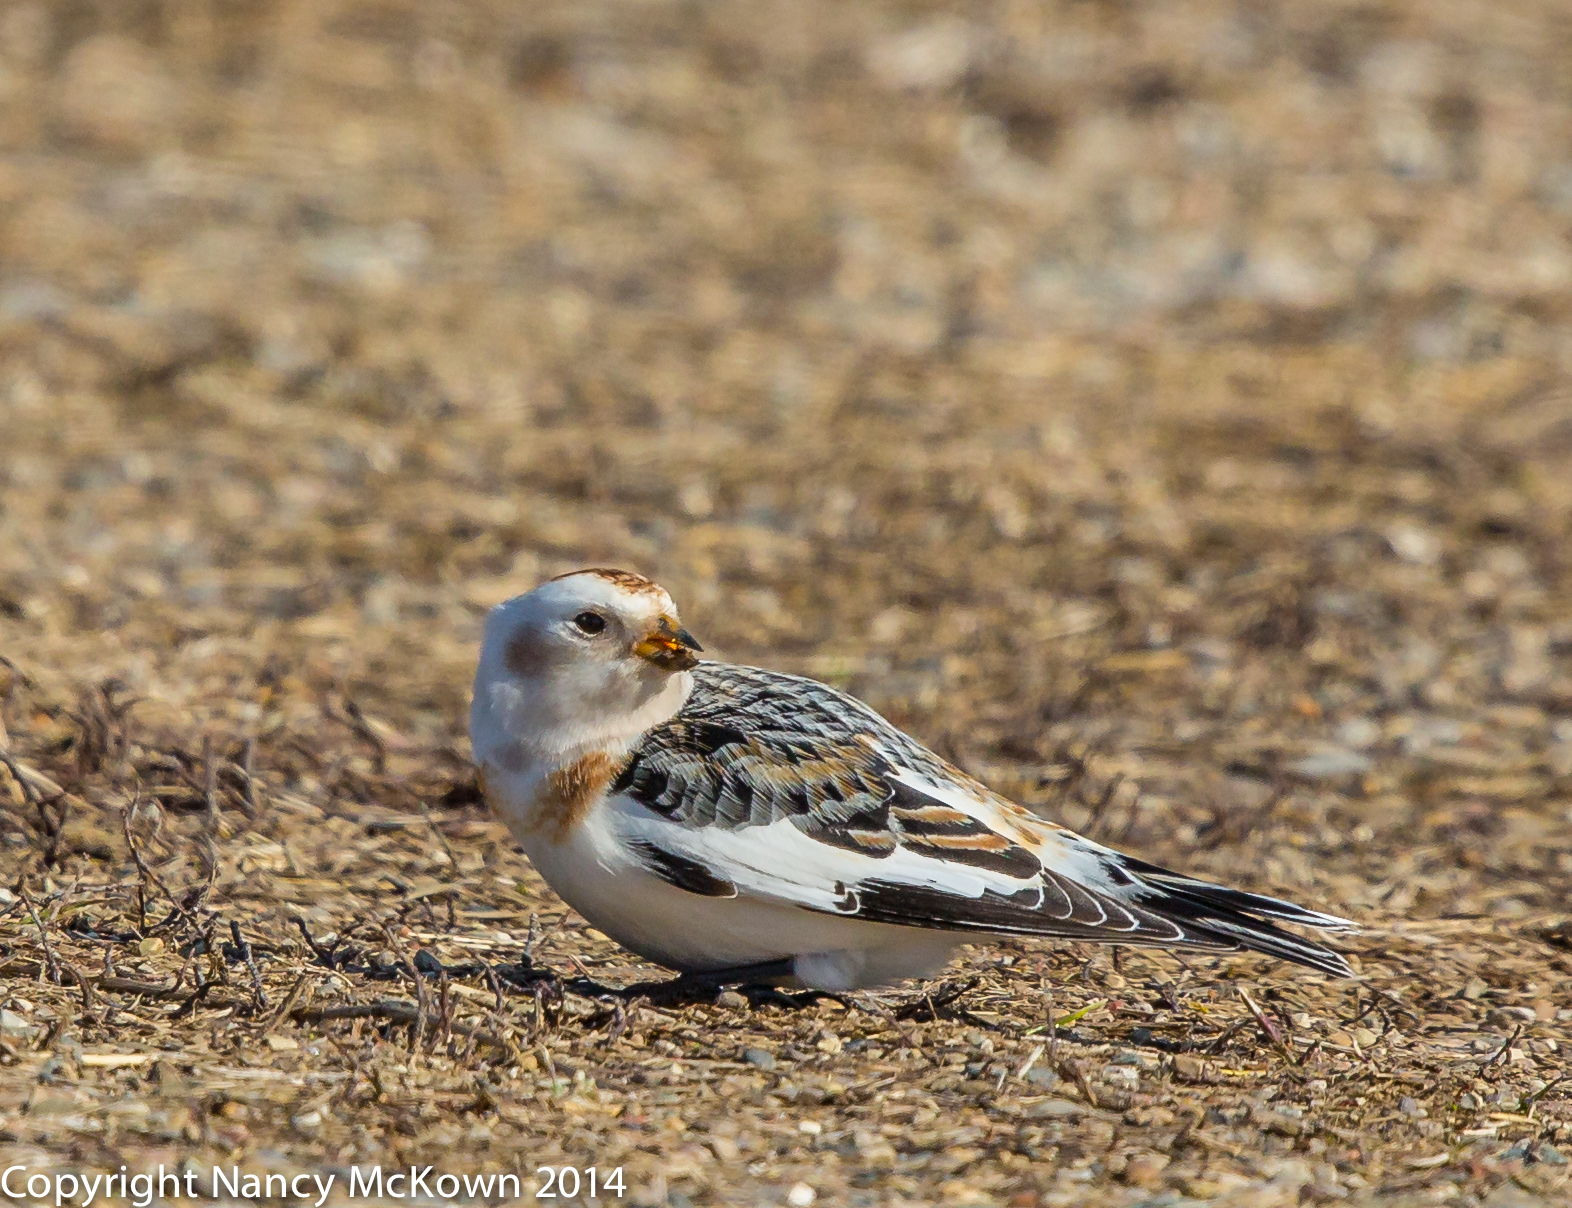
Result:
pixel 553 805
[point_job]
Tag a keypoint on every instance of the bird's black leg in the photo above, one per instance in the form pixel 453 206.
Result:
pixel 762 973
pixel 765 974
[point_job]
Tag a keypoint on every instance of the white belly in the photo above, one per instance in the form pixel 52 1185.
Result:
pixel 593 870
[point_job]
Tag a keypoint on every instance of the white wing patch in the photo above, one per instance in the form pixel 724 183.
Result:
pixel 780 863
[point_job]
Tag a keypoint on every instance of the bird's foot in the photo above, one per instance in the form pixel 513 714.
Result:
pixel 773 996
pixel 758 983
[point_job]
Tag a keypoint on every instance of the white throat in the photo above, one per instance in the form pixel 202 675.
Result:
pixel 519 727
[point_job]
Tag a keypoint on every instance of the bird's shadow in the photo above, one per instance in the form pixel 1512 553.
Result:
pixel 680 991
pixel 684 990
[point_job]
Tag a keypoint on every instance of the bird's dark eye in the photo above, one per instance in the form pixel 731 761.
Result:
pixel 590 622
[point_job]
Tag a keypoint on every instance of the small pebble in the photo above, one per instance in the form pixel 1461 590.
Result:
pixel 1187 1066
pixel 1056 1109
pixel 759 1059
pixel 1359 733
pixel 731 999
pixel 800 1195
pixel 1364 1037
pixel 1331 762
pixel 1145 1169
pixel 14 1025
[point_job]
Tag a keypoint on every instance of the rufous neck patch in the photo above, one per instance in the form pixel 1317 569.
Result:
pixel 566 796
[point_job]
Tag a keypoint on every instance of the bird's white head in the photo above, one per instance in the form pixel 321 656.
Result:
pixel 585 662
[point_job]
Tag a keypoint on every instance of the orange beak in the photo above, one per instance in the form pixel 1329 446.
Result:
pixel 669 646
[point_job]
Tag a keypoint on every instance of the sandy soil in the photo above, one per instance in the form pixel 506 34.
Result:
pixel 1158 408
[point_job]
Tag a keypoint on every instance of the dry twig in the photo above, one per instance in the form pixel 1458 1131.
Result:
pixel 258 991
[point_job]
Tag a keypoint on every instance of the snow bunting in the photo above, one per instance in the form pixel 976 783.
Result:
pixel 753 826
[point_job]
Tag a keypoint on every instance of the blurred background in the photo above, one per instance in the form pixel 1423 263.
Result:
pixel 1175 384
pixel 1158 406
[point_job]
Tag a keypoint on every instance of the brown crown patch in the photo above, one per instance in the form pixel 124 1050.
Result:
pixel 626 579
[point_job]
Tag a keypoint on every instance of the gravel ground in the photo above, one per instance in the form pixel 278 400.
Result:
pixel 1159 408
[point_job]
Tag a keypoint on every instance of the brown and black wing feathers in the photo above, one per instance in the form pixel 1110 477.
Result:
pixel 903 837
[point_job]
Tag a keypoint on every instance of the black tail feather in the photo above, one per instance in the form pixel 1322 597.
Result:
pixel 1237 919
pixel 1263 937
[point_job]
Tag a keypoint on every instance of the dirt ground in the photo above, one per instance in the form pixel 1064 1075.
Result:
pixel 1158 408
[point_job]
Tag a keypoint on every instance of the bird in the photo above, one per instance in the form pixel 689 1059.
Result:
pixel 744 826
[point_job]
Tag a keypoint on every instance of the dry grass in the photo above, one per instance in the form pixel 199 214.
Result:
pixel 1157 409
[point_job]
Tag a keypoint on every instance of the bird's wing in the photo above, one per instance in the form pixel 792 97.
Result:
pixel 780 787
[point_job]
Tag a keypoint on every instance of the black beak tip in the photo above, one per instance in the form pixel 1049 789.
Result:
pixel 688 640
